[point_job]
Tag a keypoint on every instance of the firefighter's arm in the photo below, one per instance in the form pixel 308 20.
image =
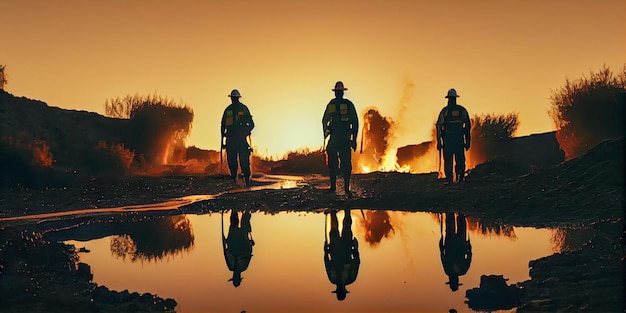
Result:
pixel 468 130
pixel 355 249
pixel 223 124
pixel 355 121
pixel 355 125
pixel 250 121
pixel 326 122
pixel 326 252
pixel 438 127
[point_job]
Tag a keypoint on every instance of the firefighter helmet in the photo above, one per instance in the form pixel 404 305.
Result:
pixel 235 93
pixel 339 86
pixel 452 93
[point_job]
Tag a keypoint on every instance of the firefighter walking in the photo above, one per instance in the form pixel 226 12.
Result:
pixel 453 136
pixel 237 125
pixel 341 123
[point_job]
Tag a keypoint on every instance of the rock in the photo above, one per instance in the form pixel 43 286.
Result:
pixel 493 294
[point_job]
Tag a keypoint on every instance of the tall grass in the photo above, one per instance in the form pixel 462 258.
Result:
pixel 488 132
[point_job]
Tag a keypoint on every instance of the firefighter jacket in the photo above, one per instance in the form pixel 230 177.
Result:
pixel 237 121
pixel 340 121
pixel 454 124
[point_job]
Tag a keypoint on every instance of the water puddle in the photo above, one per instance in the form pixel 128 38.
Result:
pixel 395 263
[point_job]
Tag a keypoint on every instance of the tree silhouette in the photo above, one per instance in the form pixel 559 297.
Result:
pixel 589 110
pixel 3 76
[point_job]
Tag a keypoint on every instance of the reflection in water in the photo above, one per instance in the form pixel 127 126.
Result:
pixel 154 239
pixel 483 227
pixel 455 248
pixel 395 276
pixel 238 244
pixel 341 254
pixel 572 239
pixel 377 226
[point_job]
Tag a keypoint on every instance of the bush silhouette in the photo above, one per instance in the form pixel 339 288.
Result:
pixel 589 110
pixel 129 104
pixel 158 126
pixel 488 132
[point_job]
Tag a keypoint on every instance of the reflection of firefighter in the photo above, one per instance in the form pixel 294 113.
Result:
pixel 341 254
pixel 238 245
pixel 455 248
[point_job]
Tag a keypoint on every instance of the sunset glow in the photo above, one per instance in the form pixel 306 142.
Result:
pixel 285 56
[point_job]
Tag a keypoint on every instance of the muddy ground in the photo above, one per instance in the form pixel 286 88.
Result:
pixel 583 193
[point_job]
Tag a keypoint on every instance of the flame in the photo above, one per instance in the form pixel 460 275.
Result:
pixel 390 162
pixel 365 169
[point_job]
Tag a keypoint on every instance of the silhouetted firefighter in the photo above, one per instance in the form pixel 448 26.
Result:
pixel 341 254
pixel 453 135
pixel 341 123
pixel 455 249
pixel 237 125
pixel 238 245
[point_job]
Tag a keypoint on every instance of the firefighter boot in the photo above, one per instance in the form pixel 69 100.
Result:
pixel 346 186
pixel 333 183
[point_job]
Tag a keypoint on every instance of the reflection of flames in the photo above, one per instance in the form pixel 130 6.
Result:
pixel 377 225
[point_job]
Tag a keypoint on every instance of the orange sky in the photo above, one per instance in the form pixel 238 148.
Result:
pixel 285 56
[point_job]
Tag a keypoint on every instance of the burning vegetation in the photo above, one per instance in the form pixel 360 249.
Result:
pixel 489 132
pixel 158 128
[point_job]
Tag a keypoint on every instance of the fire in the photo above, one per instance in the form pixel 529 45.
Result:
pixel 390 162
pixel 365 169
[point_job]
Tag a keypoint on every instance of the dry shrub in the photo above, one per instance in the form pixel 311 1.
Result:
pixel 295 162
pixel 41 153
pixel 21 161
pixel 158 130
pixel 589 110
pixel 488 132
pixel 110 160
pixel 125 107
